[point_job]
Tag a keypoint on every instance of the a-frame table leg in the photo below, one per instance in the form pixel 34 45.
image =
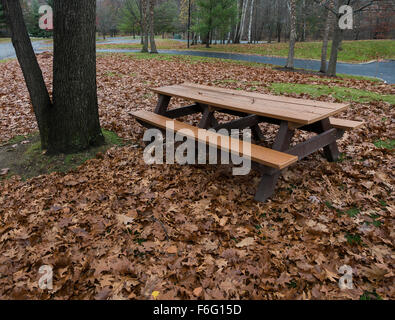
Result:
pixel 163 104
pixel 270 176
pixel 331 151
pixel 208 120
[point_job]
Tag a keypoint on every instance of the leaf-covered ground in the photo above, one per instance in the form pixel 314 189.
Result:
pixel 116 228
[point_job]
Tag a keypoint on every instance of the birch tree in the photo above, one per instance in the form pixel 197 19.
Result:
pixel 250 25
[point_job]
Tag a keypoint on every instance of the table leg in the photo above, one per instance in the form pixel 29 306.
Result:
pixel 208 119
pixel 331 151
pixel 257 133
pixel 269 179
pixel 162 105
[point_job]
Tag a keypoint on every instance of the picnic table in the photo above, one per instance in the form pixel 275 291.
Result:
pixel 252 109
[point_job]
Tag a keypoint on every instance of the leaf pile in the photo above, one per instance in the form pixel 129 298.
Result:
pixel 116 228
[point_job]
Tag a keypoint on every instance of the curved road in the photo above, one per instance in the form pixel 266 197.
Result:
pixel 384 70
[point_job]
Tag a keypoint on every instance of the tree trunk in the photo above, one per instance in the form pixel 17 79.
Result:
pixel 336 43
pixel 240 6
pixel 74 118
pixel 144 24
pixel 152 26
pixel 324 50
pixel 292 40
pixel 31 70
pixel 243 19
pixel 250 24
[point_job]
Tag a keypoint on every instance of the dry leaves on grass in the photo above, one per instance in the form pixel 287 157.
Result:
pixel 104 226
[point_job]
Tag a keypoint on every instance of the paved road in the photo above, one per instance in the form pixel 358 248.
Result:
pixel 384 70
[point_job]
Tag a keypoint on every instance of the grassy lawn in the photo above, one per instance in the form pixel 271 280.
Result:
pixel 352 51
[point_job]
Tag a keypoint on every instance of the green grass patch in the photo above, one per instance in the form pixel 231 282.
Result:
pixel 28 160
pixel 367 295
pixel 353 212
pixel 385 144
pixel 340 93
pixel 351 51
pixel 353 239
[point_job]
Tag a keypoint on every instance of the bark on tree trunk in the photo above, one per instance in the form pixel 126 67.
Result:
pixel 74 118
pixel 31 70
pixel 152 25
pixel 324 50
pixel 292 40
pixel 144 24
pixel 250 24
pixel 240 6
pixel 336 43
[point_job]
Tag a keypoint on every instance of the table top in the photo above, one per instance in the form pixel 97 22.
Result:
pixel 300 111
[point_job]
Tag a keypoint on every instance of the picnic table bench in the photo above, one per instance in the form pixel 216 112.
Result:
pixel 253 109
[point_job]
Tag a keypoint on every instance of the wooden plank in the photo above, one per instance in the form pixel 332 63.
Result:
pixel 326 105
pixel 253 103
pixel 345 124
pixel 265 156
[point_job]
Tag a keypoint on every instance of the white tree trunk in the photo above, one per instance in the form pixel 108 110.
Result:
pixel 250 25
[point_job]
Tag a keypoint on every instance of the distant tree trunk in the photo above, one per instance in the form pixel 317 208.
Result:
pixel 240 6
pixel 152 27
pixel 324 50
pixel 243 19
pixel 74 118
pixel 292 40
pixel 144 25
pixel 250 24
pixel 336 43
pixel 208 40
pixel 31 70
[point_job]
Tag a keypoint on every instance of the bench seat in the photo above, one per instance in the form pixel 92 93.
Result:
pixel 345 124
pixel 259 154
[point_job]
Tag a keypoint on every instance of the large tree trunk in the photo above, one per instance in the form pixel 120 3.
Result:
pixel 324 50
pixel 31 70
pixel 74 119
pixel 152 27
pixel 292 40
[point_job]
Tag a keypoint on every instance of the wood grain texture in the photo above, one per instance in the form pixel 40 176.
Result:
pixel 294 110
pixel 265 156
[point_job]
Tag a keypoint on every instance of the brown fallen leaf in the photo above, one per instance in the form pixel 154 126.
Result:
pixel 246 242
pixel 198 291
pixel 4 171
pixel 172 250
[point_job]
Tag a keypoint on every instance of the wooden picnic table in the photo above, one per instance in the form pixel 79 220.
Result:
pixel 253 109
